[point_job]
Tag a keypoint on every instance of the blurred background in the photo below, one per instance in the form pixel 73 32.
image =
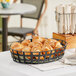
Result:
pixel 48 24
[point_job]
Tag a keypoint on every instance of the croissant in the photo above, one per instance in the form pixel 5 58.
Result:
pixel 17 46
pixel 46 42
pixel 25 42
pixel 35 44
pixel 31 44
pixel 27 51
pixel 47 48
pixel 54 43
pixel 58 45
pixel 39 39
pixel 36 50
pixel 38 44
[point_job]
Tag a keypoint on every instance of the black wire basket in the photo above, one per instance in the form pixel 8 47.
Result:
pixel 39 57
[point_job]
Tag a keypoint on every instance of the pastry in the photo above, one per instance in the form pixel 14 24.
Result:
pixel 38 39
pixel 36 50
pixel 48 48
pixel 27 51
pixel 17 47
pixel 54 43
pixel 31 44
pixel 25 42
pixel 34 44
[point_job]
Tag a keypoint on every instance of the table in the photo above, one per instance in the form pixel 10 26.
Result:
pixel 10 68
pixel 14 9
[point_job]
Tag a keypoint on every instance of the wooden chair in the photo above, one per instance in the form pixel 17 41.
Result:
pixel 22 32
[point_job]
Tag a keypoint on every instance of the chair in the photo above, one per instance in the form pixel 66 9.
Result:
pixel 22 32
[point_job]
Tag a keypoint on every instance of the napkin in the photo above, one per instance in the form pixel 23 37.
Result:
pixel 68 58
pixel 49 66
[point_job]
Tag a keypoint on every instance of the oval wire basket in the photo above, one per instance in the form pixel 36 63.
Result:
pixel 39 57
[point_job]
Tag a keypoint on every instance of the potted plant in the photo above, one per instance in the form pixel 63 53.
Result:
pixel 5 3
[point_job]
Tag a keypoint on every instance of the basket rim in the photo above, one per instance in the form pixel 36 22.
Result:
pixel 41 51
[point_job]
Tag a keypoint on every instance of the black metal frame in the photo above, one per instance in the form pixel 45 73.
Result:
pixel 5 33
pixel 54 55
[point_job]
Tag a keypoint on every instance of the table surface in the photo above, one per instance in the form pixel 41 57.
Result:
pixel 10 68
pixel 18 9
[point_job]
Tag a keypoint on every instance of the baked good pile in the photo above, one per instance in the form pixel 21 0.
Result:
pixel 38 44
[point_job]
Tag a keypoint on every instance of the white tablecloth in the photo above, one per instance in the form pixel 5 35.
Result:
pixel 10 68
